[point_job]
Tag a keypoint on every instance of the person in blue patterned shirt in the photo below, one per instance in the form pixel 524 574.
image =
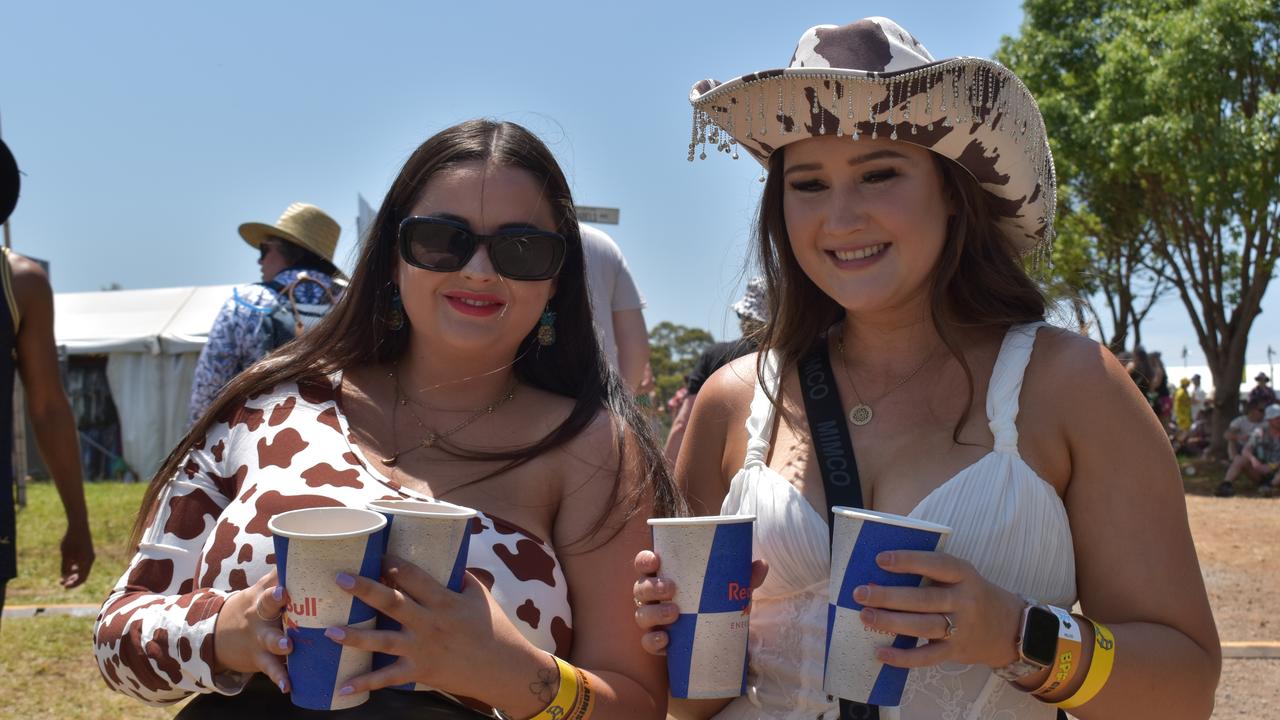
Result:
pixel 301 243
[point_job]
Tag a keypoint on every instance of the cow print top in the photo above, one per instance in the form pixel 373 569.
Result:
pixel 282 450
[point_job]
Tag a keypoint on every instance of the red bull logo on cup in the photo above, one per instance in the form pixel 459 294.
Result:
pixel 739 592
pixel 306 608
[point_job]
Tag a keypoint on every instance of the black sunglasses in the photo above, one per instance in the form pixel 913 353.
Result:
pixel 445 245
pixel 268 245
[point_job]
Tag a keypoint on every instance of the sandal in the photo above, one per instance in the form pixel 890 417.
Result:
pixel 1225 489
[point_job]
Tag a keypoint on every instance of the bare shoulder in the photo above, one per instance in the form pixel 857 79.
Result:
pixel 543 410
pixel 1074 372
pixel 28 276
pixel 597 471
pixel 1076 401
pixel 730 389
pixel 597 440
pixel 26 267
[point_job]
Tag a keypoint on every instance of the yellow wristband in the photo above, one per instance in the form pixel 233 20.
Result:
pixel 567 695
pixel 1104 656
pixel 582 709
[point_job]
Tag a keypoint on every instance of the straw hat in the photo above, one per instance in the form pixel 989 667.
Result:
pixel 301 224
pixel 874 78
pixel 10 182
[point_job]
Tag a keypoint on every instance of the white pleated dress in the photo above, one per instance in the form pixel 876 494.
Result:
pixel 1007 521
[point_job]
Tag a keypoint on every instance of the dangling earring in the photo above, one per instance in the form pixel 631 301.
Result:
pixel 547 328
pixel 395 315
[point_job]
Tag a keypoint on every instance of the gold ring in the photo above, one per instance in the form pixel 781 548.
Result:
pixel 257 610
pixel 951 627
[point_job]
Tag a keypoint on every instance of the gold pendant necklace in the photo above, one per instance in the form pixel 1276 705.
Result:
pixel 431 437
pixel 861 413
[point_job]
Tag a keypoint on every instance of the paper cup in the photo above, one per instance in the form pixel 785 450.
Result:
pixel 434 536
pixel 852 671
pixel 709 558
pixel 312 546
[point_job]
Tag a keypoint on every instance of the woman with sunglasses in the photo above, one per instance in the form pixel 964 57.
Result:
pixel 902 196
pixel 461 364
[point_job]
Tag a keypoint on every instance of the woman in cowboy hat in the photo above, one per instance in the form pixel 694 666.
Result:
pixel 901 199
pixel 296 258
pixel 461 364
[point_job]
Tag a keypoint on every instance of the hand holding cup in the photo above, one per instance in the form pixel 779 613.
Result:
pixel 248 635
pixel 442 638
pixel 654 598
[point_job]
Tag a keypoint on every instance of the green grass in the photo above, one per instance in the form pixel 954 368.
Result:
pixel 46 663
pixel 112 508
pixel 47 671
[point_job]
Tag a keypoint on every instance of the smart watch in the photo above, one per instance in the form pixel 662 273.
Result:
pixel 1042 627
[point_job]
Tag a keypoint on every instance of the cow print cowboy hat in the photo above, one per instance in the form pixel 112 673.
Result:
pixel 873 78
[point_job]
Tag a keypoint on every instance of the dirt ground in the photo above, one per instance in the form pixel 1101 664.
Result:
pixel 1236 539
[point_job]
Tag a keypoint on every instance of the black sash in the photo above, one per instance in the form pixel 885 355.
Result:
pixel 834 450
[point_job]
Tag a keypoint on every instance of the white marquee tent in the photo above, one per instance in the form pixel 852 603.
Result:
pixel 152 339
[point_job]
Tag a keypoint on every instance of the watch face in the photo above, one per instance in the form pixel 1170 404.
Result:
pixel 1040 636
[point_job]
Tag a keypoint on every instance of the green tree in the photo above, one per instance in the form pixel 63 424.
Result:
pixel 673 349
pixel 1104 235
pixel 1165 122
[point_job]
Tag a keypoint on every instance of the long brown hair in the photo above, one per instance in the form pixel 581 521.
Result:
pixel 978 280
pixel 573 366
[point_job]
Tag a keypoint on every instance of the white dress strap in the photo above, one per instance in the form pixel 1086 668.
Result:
pixel 760 422
pixel 1006 385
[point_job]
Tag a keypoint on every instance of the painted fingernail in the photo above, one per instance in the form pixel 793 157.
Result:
pixel 281 684
pixel 283 643
pixel 346 690
pixel 277 594
pixel 336 634
pixel 346 581
pixel 860 593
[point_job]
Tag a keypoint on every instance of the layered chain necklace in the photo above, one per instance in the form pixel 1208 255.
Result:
pixel 861 414
pixel 430 437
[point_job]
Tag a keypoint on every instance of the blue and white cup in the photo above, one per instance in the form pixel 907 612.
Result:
pixel 435 536
pixel 852 670
pixel 709 559
pixel 312 546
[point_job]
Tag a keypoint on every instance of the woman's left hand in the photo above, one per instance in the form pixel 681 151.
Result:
pixel 458 642
pixel 983 617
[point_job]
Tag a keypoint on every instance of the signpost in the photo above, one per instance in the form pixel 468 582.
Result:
pixel 602 215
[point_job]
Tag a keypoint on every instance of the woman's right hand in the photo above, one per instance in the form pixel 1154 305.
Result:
pixel 653 595
pixel 248 636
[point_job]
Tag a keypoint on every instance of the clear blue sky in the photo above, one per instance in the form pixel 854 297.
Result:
pixel 149 131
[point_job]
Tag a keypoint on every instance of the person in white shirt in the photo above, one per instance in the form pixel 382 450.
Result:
pixel 616 306
pixel 1198 396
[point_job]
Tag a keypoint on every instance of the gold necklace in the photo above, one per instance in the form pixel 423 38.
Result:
pixel 861 413
pixel 431 437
